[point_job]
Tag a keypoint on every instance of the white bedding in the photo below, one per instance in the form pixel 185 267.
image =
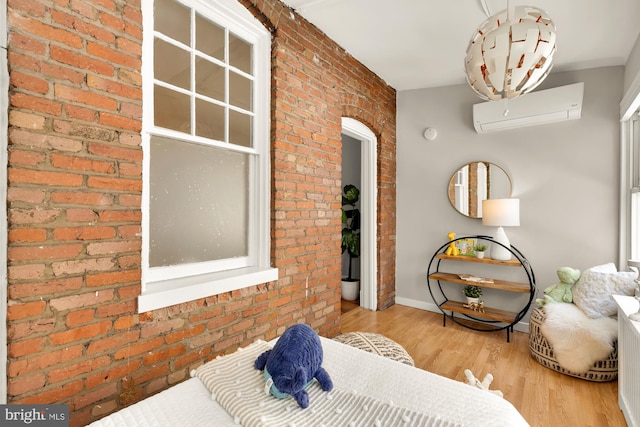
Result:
pixel 359 377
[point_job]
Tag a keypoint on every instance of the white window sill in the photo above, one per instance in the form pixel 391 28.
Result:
pixel 176 291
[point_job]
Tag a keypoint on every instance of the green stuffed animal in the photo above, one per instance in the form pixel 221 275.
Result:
pixel 561 292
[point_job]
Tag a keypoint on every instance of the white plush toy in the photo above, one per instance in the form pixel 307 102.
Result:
pixel 482 385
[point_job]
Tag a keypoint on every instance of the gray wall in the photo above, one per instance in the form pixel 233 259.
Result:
pixel 632 68
pixel 565 174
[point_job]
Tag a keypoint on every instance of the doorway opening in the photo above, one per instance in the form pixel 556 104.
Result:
pixel 359 149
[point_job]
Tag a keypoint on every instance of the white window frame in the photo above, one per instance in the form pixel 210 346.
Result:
pixel 158 291
pixel 629 245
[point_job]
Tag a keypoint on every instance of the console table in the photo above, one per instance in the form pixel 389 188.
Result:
pixel 491 318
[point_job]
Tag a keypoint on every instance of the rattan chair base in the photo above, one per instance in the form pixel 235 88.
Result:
pixel 540 349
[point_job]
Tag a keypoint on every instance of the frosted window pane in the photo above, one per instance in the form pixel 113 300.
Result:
pixel 239 129
pixel 171 109
pixel 209 79
pixel 209 38
pixel 240 54
pixel 173 20
pixel 239 91
pixel 198 203
pixel 171 64
pixel 209 120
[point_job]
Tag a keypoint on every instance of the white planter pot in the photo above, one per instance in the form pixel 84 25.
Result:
pixel 350 290
pixel 480 254
pixel 473 300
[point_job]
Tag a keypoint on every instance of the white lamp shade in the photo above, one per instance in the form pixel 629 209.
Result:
pixel 501 212
pixel 510 55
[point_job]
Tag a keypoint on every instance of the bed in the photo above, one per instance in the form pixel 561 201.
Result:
pixel 369 390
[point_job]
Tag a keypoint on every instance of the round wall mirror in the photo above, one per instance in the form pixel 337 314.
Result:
pixel 475 182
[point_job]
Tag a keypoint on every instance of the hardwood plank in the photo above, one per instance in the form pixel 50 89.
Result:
pixel 544 397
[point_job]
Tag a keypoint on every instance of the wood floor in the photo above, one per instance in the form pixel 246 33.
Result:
pixel 544 397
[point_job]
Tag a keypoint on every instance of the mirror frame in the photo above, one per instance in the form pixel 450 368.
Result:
pixel 474 208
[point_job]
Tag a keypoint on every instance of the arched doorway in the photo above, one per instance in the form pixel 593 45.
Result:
pixel 368 205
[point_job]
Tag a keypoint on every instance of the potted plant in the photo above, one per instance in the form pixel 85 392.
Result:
pixel 350 239
pixel 480 248
pixel 473 293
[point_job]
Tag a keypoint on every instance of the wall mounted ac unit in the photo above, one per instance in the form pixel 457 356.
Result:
pixel 535 108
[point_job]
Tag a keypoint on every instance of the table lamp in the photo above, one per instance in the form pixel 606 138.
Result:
pixel 501 213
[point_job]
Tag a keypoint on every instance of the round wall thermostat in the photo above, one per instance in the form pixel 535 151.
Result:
pixel 430 134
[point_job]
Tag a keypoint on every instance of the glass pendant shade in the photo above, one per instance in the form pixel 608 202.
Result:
pixel 510 53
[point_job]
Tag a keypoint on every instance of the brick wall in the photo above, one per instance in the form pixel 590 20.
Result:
pixel 74 192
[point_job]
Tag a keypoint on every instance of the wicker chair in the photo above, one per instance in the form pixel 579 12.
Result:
pixel 540 349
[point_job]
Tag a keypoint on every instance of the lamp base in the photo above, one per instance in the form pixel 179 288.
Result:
pixel 498 252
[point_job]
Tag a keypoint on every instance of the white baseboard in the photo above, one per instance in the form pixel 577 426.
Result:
pixel 429 306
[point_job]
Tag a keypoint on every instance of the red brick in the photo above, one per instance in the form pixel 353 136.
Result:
pixel 108 344
pixel 84 233
pixel 84 97
pixel 81 300
pixel 25 43
pixel 26 347
pixel 26 120
pixel 45 141
pixel 80 164
pixel 113 374
pixel 139 348
pixel 28 195
pixel 25 235
pixel 26 158
pixel 80 317
pixel 41 361
pixel 92 396
pixel 28 82
pixel 78 368
pixel 118 309
pixel 48 395
pixel 120 184
pixel 81 333
pixel 117 121
pixel 26 253
pixel 113 278
pixel 81 198
pixel 115 152
pixel 81 215
pixel 32 216
pixel 154 357
pixel 25 384
pixel 18 311
pixel 80 113
pixel 34 103
pixel 27 176
pixel 120 216
pixel 104 248
pixel 47 287
pixel 113 56
pixel 114 88
pixel 43 30
pixel 81 61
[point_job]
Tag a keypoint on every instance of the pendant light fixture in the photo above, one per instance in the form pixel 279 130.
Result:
pixel 510 53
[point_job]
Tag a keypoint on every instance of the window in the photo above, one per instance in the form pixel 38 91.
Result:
pixel 206 151
pixel 634 139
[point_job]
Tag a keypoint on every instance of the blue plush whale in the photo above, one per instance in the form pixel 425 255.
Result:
pixel 293 363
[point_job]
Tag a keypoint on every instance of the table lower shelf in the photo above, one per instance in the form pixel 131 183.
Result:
pixel 493 314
